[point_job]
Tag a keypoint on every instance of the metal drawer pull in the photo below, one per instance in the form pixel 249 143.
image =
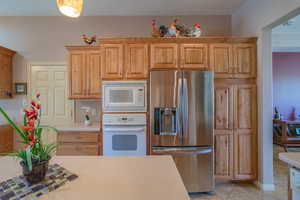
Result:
pixel 182 151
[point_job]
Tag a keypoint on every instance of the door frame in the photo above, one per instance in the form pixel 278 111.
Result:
pixel 265 109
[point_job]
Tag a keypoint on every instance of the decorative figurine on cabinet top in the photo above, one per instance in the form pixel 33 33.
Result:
pixel 89 40
pixel 197 31
pixel 175 29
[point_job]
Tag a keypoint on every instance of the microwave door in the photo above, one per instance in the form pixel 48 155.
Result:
pixel 165 110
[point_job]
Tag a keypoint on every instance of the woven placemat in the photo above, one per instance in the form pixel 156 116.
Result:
pixel 18 188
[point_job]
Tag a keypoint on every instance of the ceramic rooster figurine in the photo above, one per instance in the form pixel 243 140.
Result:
pixel 89 40
pixel 155 30
pixel 172 31
pixel 197 31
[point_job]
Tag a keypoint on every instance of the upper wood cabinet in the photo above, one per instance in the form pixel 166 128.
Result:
pixel 244 60
pixel 6 139
pixel 6 81
pixel 221 60
pixel 233 60
pixel 137 61
pixel 93 71
pixel 84 72
pixel 112 61
pixel 194 56
pixel 164 56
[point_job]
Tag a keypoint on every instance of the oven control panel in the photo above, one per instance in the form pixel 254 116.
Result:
pixel 122 119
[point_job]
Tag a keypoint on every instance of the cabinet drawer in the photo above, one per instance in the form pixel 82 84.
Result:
pixel 82 137
pixel 73 149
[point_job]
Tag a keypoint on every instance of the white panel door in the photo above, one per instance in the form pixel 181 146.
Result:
pixel 52 83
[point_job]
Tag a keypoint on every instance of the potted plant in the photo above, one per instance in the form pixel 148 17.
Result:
pixel 36 155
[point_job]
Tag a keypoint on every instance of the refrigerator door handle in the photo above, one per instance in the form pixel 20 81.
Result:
pixel 182 150
pixel 179 108
pixel 185 106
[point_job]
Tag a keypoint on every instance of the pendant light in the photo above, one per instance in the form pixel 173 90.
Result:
pixel 70 8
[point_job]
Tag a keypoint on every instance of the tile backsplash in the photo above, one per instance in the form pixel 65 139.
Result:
pixel 93 105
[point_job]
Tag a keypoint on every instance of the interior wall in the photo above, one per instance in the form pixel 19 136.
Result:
pixel 286 84
pixel 42 39
pixel 256 18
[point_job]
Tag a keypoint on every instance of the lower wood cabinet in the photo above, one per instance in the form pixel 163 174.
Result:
pixel 6 139
pixel 235 129
pixel 79 144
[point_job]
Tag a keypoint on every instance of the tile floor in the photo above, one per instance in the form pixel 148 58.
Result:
pixel 230 191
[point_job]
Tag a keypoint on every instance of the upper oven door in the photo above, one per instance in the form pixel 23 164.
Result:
pixel 124 98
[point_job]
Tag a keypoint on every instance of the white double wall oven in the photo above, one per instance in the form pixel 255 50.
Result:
pixel 124 120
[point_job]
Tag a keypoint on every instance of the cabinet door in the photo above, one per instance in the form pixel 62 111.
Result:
pixel 245 60
pixel 6 139
pixel 93 74
pixel 164 56
pixel 77 74
pixel 223 154
pixel 5 76
pixel 223 130
pixel 221 60
pixel 194 56
pixel 245 147
pixel 112 61
pixel 137 61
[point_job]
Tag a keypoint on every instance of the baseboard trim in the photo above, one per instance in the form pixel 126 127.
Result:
pixel 265 187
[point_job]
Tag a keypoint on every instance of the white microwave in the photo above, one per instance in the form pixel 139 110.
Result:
pixel 124 96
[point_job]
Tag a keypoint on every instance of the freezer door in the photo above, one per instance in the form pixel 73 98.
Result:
pixel 197 108
pixel 195 166
pixel 165 112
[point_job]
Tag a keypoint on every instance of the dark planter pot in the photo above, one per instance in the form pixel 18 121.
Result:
pixel 38 172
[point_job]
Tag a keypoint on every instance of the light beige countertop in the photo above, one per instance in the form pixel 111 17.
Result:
pixel 112 178
pixel 292 158
pixel 78 127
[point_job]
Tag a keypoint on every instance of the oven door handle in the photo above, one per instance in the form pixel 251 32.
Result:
pixel 124 129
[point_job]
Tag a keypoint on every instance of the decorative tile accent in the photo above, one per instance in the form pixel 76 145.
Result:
pixel 18 188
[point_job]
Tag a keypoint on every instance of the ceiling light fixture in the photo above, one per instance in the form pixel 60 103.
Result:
pixel 70 8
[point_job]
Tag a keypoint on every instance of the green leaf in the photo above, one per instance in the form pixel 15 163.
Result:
pixel 48 127
pixel 14 125
pixel 28 158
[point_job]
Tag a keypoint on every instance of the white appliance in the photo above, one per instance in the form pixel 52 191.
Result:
pixel 295 183
pixel 124 134
pixel 124 96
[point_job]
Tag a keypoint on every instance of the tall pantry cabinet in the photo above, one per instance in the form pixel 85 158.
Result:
pixel 235 110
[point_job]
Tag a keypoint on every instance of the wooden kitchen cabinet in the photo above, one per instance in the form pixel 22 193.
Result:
pixel 235 129
pixel 224 95
pixel 221 60
pixel 6 139
pixel 137 61
pixel 6 80
pixel 164 56
pixel 194 56
pixel 112 61
pixel 79 143
pixel 245 148
pixel 84 72
pixel 244 60
pixel 233 60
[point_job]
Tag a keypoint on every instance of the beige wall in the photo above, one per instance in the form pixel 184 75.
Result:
pixel 42 39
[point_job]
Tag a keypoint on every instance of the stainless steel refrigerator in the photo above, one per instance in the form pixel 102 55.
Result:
pixel 181 116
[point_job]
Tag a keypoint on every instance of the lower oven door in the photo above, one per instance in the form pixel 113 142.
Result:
pixel 124 141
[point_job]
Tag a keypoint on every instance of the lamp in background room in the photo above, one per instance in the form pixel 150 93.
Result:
pixel 70 8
